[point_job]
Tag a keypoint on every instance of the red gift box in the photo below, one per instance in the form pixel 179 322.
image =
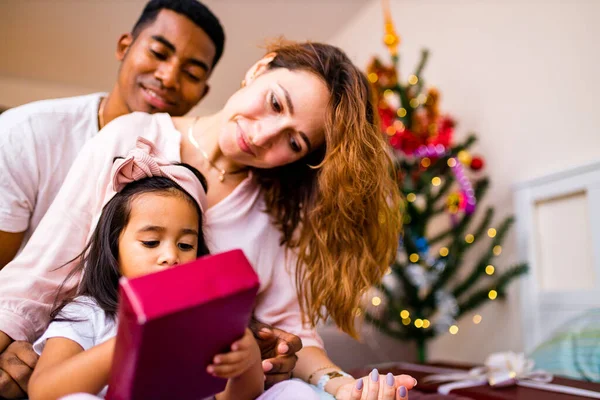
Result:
pixel 173 322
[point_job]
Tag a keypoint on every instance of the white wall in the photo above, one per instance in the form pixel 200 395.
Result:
pixel 523 75
pixel 16 91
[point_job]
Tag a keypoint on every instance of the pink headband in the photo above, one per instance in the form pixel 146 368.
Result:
pixel 146 161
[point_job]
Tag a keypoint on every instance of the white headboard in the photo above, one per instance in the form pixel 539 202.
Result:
pixel 558 228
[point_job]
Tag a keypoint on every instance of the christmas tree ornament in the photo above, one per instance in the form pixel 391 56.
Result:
pixel 477 163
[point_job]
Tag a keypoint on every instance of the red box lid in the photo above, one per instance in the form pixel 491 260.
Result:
pixel 173 322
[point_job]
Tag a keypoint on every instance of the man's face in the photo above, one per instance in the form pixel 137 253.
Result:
pixel 166 68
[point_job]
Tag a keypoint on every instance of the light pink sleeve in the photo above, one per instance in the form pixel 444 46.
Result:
pixel 28 284
pixel 277 305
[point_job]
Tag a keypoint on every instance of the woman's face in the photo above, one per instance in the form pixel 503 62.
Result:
pixel 162 232
pixel 278 118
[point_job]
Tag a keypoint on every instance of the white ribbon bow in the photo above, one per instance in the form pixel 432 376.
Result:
pixel 505 369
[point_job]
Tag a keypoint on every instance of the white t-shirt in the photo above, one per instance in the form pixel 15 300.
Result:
pixel 38 143
pixel 89 327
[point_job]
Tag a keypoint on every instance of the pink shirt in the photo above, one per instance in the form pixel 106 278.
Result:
pixel 28 284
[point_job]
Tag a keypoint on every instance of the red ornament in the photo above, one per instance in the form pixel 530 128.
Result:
pixel 477 163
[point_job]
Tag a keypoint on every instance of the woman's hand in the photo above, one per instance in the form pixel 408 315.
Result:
pixel 243 355
pixel 377 387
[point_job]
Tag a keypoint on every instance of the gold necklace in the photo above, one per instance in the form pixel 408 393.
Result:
pixel 222 172
pixel 101 113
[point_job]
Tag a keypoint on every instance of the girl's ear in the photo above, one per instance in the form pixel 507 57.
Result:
pixel 258 68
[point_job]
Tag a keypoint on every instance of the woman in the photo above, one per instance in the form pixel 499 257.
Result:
pixel 298 177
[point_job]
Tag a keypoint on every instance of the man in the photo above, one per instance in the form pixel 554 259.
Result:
pixel 166 61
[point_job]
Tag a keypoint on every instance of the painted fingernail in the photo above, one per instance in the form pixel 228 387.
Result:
pixel 402 391
pixel 217 360
pixel 359 384
pixel 210 369
pixel 415 382
pixel 375 375
pixel 390 379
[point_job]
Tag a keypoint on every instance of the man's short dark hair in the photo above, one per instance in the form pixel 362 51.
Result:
pixel 197 12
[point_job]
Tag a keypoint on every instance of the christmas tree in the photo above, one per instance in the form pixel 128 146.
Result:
pixel 431 286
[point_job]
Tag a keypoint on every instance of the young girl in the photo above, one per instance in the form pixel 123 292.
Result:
pixel 153 222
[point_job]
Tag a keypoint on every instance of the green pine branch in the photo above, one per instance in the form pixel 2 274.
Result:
pixel 484 260
pixel 456 248
pixel 420 67
pixel 499 285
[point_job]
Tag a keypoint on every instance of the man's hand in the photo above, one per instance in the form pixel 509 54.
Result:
pixel 278 350
pixel 16 365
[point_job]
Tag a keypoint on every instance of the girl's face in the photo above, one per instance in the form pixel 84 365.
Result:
pixel 162 232
pixel 276 119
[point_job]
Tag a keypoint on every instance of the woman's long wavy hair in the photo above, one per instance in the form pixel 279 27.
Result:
pixel 339 207
pixel 99 260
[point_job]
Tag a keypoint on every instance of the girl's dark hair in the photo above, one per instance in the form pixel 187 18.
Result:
pixel 99 259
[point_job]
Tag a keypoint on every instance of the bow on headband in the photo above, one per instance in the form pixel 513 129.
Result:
pixel 145 161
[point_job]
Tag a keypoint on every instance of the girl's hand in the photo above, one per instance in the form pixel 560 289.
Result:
pixel 377 387
pixel 243 355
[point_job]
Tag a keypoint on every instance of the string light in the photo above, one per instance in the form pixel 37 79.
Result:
pixel 490 270
pixel 401 112
pixel 422 98
pixel 388 93
pixel 477 319
pixel 452 162
pixel 414 257
pixel 413 80
pixel 444 251
pixel 426 323
pixel 464 157
pixel 406 321
pixel 419 323
pixel 376 301
pixel 453 329
pixel 373 77
pixel 399 126
pixel 404 314
pixel 491 232
pixel 469 238
pixel 497 250
pixel 414 103
pixel 436 181
pixel 390 130
pixel 411 197
pixel 492 294
pixel 426 162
